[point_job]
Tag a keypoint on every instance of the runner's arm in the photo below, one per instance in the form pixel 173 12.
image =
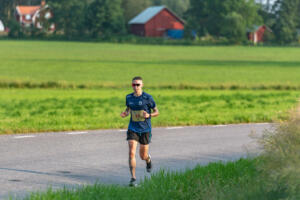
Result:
pixel 154 114
pixel 125 113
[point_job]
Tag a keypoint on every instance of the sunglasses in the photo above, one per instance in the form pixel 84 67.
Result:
pixel 138 85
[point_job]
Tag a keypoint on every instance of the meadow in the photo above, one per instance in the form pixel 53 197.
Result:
pixel 56 86
pixel 38 110
pixel 78 64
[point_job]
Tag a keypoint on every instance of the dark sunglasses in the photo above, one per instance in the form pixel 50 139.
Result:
pixel 138 85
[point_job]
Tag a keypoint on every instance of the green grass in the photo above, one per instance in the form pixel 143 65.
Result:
pixel 113 65
pixel 36 110
pixel 234 180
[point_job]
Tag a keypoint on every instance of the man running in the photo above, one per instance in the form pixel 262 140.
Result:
pixel 139 105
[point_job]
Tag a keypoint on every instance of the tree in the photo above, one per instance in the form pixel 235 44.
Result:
pixel 132 8
pixel 286 15
pixel 69 16
pixel 234 28
pixel 178 6
pixel 213 17
pixel 105 17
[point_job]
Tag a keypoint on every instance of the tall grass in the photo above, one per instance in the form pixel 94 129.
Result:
pixel 280 161
pixel 218 181
pixel 37 110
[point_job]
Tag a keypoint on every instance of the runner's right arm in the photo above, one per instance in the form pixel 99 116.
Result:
pixel 125 113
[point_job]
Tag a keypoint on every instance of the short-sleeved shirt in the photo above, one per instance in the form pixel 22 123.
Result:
pixel 137 106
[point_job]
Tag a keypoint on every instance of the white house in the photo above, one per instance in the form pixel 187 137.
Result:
pixel 2 28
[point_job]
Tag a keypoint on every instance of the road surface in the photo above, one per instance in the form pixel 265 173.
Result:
pixel 34 162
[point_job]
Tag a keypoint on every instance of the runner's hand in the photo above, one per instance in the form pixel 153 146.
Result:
pixel 124 114
pixel 146 115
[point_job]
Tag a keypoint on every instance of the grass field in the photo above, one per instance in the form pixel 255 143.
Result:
pixel 36 110
pixel 103 72
pixel 113 65
pixel 235 181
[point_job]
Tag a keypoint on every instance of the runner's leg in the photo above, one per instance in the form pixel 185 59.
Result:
pixel 132 161
pixel 144 149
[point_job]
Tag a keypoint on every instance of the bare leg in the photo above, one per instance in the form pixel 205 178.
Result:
pixel 144 152
pixel 132 161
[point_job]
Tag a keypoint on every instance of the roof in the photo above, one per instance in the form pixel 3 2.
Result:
pixel 255 28
pixel 25 10
pixel 149 13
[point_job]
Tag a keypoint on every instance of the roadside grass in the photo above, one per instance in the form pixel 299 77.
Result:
pixel 27 64
pixel 280 160
pixel 37 110
pixel 273 175
pixel 233 180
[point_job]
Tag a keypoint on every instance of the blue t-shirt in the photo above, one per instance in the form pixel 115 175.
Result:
pixel 137 106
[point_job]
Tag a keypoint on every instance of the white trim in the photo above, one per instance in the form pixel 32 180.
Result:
pixel 2 28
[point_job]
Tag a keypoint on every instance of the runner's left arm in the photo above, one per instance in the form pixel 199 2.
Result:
pixel 155 113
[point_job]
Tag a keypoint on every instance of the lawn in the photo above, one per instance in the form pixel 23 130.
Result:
pixel 113 65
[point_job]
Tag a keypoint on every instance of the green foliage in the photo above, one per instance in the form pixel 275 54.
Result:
pixel 213 17
pixel 280 161
pixel 234 28
pixel 69 17
pixel 16 30
pixel 178 6
pixel 132 8
pixel 105 17
pixel 287 12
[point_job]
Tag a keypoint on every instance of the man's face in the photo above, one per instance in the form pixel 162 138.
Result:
pixel 137 85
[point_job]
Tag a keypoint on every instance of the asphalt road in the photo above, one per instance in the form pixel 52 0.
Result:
pixel 34 162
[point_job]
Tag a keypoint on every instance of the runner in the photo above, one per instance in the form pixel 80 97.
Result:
pixel 139 105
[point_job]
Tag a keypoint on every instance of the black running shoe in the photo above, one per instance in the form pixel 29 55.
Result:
pixel 133 182
pixel 149 165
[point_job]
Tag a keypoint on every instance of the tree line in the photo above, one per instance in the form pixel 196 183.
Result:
pixel 229 19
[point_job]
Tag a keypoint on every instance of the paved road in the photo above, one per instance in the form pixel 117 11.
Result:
pixel 38 161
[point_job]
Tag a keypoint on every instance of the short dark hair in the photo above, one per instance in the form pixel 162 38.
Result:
pixel 137 78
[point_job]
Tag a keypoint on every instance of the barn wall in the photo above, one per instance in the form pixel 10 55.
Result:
pixel 137 29
pixel 159 24
pixel 260 34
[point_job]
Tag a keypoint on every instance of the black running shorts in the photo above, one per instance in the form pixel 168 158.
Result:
pixel 143 138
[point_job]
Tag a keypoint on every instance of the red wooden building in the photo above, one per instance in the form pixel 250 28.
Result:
pixel 257 33
pixel 155 21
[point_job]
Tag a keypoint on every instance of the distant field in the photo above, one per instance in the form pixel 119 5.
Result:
pixel 113 65
pixel 36 110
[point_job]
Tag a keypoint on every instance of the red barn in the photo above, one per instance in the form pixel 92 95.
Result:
pixel 256 35
pixel 156 21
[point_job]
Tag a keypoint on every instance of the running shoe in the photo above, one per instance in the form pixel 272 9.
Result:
pixel 149 165
pixel 133 182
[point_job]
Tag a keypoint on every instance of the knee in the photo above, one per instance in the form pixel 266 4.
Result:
pixel 131 154
pixel 144 156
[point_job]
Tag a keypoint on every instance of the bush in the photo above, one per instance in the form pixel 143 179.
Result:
pixel 280 161
pixel 15 29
